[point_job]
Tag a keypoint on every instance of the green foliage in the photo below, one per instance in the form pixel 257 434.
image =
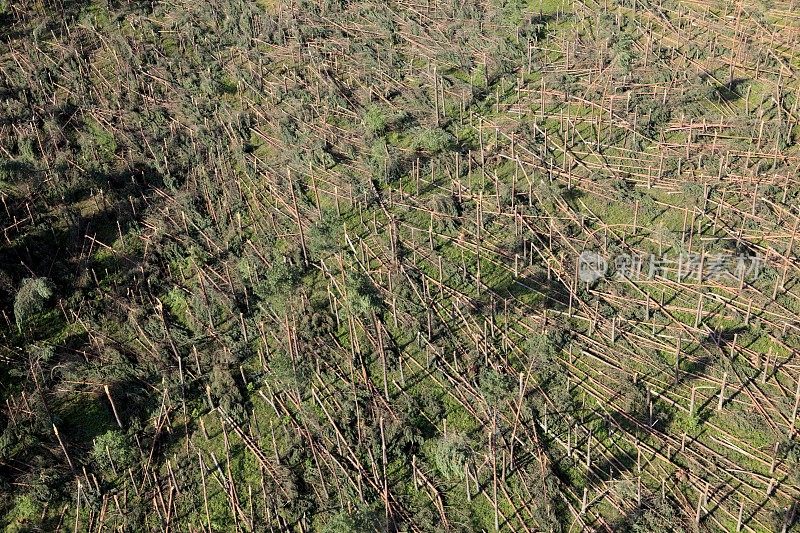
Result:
pixel 692 423
pixel 24 514
pixel 362 297
pixel 366 519
pixel 542 350
pixel 384 161
pixel 31 299
pixel 434 140
pixel 623 53
pixel 497 388
pixel 790 450
pixel 693 192
pixel 112 451
pixel 658 516
pixel 286 373
pixel 288 130
pixel 451 454
pixel 375 121
pixel 448 210
pixel 97 144
pixel 633 399
pixel 278 280
pixel 15 440
pixel 326 235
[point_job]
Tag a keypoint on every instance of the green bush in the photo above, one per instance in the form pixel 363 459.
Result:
pixel 365 519
pixel 623 53
pixel 112 448
pixel 432 140
pixel 384 161
pixel 452 453
pixel 375 121
pixel 656 517
pixel 31 299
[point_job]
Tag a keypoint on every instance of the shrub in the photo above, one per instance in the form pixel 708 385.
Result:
pixel 384 162
pixel 31 298
pixel 623 53
pixel 432 140
pixel 452 453
pixel 656 517
pixel 791 453
pixel 112 447
pixel 325 236
pixel 375 121
pixel 496 388
pixel 366 518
